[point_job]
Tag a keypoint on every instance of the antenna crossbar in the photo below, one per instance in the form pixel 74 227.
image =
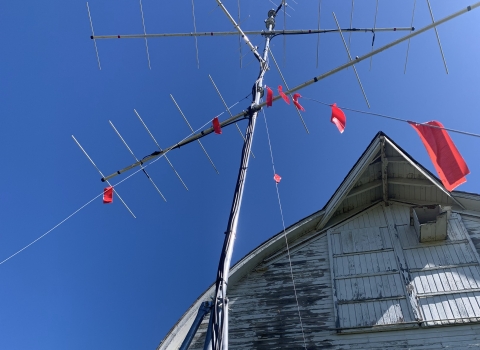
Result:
pixel 253 32
pixel 240 31
pixel 350 58
pixel 154 140
pixel 286 86
pixel 438 37
pixel 181 144
pixel 93 36
pixel 133 155
pixel 246 113
pixel 228 109
pixel 100 172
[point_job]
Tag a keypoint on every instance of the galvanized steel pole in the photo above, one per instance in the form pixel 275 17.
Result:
pixel 219 315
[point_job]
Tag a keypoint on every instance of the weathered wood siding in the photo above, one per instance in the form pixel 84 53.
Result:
pixel 445 275
pixel 263 311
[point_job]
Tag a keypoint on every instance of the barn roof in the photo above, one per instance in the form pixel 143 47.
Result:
pixel 383 173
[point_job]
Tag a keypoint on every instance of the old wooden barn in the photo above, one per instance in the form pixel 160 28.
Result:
pixel 390 262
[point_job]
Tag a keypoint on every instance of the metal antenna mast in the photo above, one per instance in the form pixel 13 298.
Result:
pixel 217 333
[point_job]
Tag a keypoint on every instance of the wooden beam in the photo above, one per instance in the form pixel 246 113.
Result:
pixel 350 214
pixel 397 160
pixel 424 172
pixel 364 188
pixel 410 182
pixel 384 170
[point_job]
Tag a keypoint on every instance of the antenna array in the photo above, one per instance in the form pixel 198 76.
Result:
pixel 217 335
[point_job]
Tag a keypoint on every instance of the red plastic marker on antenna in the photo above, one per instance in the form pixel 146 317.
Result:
pixel 338 118
pixel 216 126
pixel 108 195
pixel 269 97
pixel 445 157
pixel 295 102
pixel 285 97
pixel 277 178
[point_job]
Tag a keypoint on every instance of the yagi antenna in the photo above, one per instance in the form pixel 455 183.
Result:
pixel 245 114
pixel 217 335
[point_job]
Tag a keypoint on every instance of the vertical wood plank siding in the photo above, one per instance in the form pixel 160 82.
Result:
pixel 263 313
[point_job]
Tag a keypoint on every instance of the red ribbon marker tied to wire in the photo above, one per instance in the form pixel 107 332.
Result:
pixel 448 162
pixel 338 118
pixel 216 126
pixel 285 97
pixel 108 195
pixel 277 178
pixel 295 102
pixel 269 97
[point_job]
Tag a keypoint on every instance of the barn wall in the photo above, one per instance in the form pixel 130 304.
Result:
pixel 264 315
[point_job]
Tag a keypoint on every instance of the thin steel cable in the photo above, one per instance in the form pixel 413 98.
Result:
pixel 394 118
pixel 286 85
pixel 285 232
pixel 118 183
pixel 94 198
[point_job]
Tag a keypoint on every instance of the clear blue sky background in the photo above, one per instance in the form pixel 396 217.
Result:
pixel 104 280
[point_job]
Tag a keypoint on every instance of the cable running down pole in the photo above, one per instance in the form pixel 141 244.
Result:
pixel 219 315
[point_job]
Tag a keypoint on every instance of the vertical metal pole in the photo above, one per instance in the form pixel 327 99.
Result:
pixel 207 345
pixel 219 326
pixel 204 309
pixel 225 326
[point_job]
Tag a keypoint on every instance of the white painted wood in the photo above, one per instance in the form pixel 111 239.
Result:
pixel 338 290
pixel 409 293
pixel 423 172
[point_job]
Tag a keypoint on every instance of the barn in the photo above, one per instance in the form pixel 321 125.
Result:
pixel 390 262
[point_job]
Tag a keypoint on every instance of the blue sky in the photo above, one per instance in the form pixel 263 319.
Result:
pixel 105 280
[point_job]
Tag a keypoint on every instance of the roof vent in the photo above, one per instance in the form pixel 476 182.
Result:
pixel 430 222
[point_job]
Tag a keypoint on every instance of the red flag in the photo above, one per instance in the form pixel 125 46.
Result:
pixel 216 126
pixel 445 157
pixel 108 195
pixel 269 97
pixel 295 102
pixel 285 97
pixel 338 118
pixel 277 178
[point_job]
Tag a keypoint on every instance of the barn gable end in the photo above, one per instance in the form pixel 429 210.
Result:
pixel 363 278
